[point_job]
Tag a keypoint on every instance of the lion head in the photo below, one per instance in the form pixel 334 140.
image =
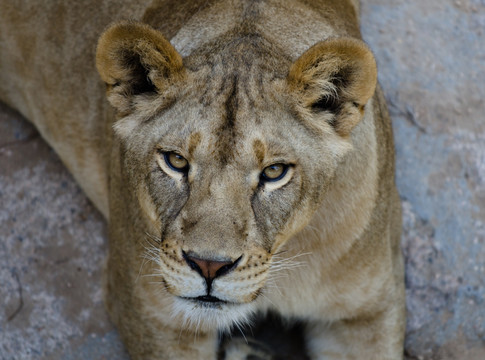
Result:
pixel 223 156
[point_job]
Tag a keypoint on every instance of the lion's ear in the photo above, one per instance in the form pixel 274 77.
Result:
pixel 336 78
pixel 134 59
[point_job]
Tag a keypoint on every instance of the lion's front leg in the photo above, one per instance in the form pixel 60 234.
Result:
pixel 150 339
pixel 372 338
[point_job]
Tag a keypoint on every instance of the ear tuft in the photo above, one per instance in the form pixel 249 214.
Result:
pixel 134 59
pixel 336 76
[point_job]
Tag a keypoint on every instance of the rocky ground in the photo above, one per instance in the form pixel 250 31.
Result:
pixel 431 57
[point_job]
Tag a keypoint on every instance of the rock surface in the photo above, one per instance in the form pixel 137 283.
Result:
pixel 431 57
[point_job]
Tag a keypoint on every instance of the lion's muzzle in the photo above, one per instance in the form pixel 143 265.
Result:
pixel 209 269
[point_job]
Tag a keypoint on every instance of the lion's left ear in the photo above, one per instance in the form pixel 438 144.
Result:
pixel 335 77
pixel 134 59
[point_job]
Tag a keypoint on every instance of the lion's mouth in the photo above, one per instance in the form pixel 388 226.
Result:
pixel 209 299
pixel 206 300
pixel 210 312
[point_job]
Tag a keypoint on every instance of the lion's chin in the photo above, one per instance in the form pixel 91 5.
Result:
pixel 209 314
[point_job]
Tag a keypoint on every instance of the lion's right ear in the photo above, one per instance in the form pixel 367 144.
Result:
pixel 332 81
pixel 134 59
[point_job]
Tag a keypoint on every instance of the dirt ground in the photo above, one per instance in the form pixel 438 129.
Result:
pixel 431 58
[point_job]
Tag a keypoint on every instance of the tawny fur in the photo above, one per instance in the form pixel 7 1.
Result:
pixel 233 87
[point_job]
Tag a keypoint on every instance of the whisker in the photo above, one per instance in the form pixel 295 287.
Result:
pixel 140 270
pixel 278 258
pixel 154 282
pixel 153 237
pixel 238 325
pixel 151 252
pixel 286 264
pixel 280 263
pixel 267 298
pixel 280 252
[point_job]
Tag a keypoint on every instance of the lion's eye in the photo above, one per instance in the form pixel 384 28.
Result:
pixel 176 162
pixel 274 172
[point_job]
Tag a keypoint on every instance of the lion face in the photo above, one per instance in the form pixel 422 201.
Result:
pixel 229 153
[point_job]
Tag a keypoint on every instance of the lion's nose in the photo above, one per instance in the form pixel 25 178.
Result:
pixel 209 269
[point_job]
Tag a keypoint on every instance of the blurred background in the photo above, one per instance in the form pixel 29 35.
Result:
pixel 431 59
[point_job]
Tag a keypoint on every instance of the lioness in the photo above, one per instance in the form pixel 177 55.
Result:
pixel 247 166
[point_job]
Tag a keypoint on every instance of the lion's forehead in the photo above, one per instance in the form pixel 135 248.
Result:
pixel 233 109
pixel 234 115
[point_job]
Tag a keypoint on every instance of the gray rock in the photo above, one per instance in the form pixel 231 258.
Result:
pixel 52 248
pixel 431 58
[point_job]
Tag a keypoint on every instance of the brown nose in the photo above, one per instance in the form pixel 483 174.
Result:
pixel 209 269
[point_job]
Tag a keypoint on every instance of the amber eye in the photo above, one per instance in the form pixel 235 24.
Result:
pixel 274 172
pixel 176 162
